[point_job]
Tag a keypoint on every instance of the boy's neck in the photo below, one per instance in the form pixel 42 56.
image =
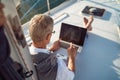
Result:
pixel 40 45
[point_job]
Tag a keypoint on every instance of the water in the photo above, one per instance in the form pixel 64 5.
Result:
pixel 28 8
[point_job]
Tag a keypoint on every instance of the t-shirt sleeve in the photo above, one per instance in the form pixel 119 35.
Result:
pixel 63 73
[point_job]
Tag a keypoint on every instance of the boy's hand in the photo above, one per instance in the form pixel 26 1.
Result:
pixel 55 46
pixel 72 51
pixel 71 57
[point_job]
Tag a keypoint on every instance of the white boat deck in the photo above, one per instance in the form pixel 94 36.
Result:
pixel 100 56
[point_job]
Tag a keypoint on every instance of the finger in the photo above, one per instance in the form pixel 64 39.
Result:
pixel 58 43
pixel 76 49
pixel 59 40
pixel 71 46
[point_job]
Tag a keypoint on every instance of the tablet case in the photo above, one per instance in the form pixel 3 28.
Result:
pixel 93 11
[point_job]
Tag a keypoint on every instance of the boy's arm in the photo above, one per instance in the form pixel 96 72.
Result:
pixel 71 57
pixel 55 46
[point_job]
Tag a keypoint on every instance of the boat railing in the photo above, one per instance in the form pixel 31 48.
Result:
pixel 28 9
pixel 48 6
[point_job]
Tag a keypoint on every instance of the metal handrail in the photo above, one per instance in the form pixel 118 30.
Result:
pixel 48 6
pixel 29 10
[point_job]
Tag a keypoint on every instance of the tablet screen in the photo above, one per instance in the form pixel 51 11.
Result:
pixel 71 33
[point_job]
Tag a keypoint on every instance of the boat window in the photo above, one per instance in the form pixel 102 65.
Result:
pixel 28 8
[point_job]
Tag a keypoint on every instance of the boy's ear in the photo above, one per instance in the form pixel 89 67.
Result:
pixel 48 37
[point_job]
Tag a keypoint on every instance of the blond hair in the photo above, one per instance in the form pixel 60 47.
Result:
pixel 40 26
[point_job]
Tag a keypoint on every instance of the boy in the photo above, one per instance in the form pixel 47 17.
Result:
pixel 49 67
